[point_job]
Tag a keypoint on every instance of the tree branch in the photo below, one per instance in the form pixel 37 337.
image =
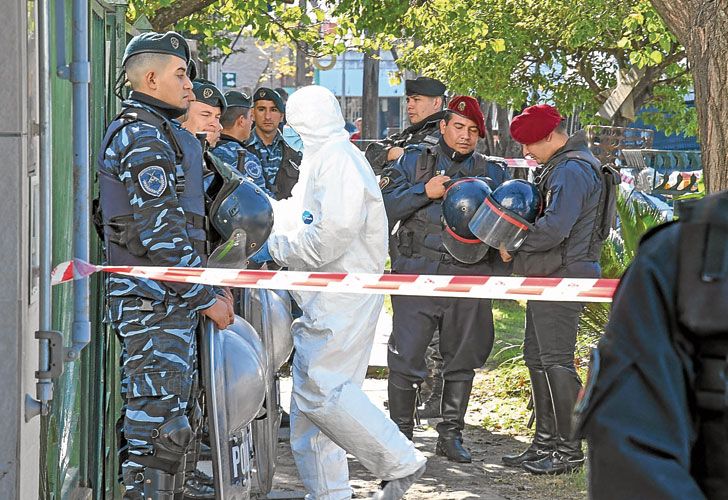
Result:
pixel 169 16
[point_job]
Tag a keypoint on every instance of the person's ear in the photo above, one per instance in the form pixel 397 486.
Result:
pixel 151 79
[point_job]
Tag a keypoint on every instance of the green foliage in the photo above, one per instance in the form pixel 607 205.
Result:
pixel 635 218
pixel 509 317
pixel 516 53
pixel 512 53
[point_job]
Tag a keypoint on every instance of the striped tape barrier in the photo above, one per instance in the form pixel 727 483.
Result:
pixel 484 287
pixel 521 163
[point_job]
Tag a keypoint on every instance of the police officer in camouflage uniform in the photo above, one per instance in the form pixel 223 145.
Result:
pixel 279 160
pixel 412 189
pixel 425 99
pixel 654 408
pixel 566 241
pixel 150 181
pixel 237 122
pixel 202 118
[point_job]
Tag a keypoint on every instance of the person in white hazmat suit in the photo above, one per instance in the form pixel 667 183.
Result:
pixel 335 222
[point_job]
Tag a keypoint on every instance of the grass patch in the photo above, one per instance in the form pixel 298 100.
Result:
pixel 509 318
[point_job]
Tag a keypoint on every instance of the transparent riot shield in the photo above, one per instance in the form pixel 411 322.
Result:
pixel 270 314
pixel 234 370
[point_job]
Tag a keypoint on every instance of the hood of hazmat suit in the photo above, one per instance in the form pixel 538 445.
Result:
pixel 335 222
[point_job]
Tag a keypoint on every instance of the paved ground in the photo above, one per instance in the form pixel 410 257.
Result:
pixel 485 478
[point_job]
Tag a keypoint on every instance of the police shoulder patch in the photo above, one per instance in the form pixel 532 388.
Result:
pixel 153 181
pixel 384 182
pixel 253 169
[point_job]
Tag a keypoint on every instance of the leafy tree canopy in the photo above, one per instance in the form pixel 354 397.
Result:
pixel 513 52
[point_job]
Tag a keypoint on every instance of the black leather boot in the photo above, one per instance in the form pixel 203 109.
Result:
pixel 455 397
pixel 568 456
pixel 402 395
pixel 545 436
pixel 431 407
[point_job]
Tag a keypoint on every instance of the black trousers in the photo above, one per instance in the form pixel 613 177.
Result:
pixel 551 334
pixel 466 335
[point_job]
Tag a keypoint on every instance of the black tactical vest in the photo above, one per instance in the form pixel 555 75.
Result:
pixel 122 247
pixel 702 300
pixel 421 234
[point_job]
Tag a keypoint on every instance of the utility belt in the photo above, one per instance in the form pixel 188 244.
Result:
pixel 117 232
pixel 411 244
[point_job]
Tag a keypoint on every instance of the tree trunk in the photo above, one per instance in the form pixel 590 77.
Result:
pixel 302 78
pixel 702 28
pixel 370 98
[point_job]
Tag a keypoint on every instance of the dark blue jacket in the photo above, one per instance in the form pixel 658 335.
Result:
pixel 419 234
pixel 560 245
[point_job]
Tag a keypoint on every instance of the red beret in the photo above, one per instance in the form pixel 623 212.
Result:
pixel 535 123
pixel 468 107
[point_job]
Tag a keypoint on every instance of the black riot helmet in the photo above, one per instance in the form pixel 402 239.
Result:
pixel 506 216
pixel 240 213
pixel 460 202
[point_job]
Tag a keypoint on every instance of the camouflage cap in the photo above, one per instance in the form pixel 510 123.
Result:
pixel 171 43
pixel 266 94
pixel 206 91
pixel 237 99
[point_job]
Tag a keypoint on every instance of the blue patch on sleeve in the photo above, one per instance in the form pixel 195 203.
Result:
pixel 153 181
pixel 307 217
pixel 253 169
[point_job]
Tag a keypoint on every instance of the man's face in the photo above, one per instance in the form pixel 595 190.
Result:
pixel 202 117
pixel 267 116
pixel 420 107
pixel 460 133
pixel 540 151
pixel 172 85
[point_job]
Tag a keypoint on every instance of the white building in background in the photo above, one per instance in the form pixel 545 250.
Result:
pixel 248 67
pixel 252 65
pixel 344 74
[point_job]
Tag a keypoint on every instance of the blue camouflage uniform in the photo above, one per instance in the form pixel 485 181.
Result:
pixel 269 156
pixel 465 325
pixel 148 173
pixel 278 180
pixel 227 150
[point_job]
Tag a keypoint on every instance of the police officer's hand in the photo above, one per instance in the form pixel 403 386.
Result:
pixel 435 187
pixel 221 313
pixel 504 255
pixel 394 153
pixel 226 295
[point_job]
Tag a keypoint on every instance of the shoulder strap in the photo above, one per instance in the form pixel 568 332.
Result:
pixel 425 166
pixel 132 114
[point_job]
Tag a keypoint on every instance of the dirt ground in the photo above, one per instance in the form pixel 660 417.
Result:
pixel 485 478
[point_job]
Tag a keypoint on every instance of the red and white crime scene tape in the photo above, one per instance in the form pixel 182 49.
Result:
pixel 485 287
pixel 521 163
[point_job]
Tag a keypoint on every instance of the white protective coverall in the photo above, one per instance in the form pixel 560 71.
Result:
pixel 335 222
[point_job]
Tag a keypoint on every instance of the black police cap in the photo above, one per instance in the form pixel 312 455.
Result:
pixel 171 43
pixel 237 99
pixel 266 94
pixel 424 86
pixel 205 91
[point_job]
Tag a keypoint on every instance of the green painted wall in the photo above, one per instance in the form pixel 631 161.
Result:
pixel 78 438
